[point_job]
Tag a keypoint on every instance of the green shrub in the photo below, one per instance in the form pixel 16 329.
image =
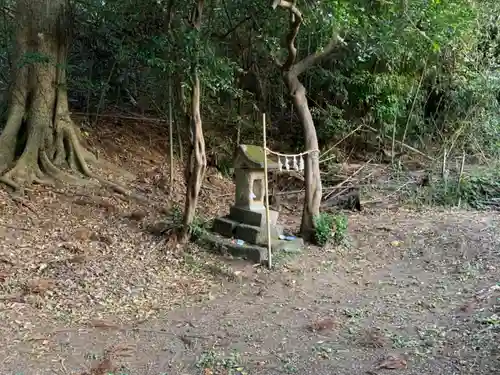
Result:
pixel 340 234
pixel 197 228
pixel 330 227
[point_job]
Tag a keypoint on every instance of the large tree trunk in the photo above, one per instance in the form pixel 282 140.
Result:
pixel 312 175
pixel 40 139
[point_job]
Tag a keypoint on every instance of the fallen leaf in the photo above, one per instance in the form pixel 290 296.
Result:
pixel 42 267
pixel 6 261
pixel 104 367
pixel 98 323
pixel 137 215
pixel 77 259
pixel 38 338
pixel 40 286
pixel 13 298
pixel 392 362
pixel 385 229
pixel 322 325
pixel 3 276
pixel 101 238
pixel 468 307
pixel 82 234
pixel 166 210
pixel 374 338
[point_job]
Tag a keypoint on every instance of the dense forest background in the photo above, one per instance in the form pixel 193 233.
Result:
pixel 422 72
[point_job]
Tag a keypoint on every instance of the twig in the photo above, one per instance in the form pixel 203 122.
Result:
pixel 337 143
pixel 18 297
pixel 443 167
pixel 347 188
pixel 65 370
pixel 160 243
pixel 338 194
pixel 413 103
pixel 460 178
pixel 393 148
pixel 171 136
pixel 13 227
pixel 116 116
pixel 24 203
pixel 402 144
pixel 106 87
pixel 389 195
pixel 350 177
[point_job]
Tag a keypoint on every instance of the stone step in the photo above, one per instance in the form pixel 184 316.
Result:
pixel 254 218
pixel 224 226
pixel 254 253
pixel 257 235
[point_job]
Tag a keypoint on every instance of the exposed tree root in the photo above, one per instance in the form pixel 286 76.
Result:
pixel 39 121
pixel 70 164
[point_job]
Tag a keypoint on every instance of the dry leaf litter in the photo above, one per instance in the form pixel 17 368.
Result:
pixel 77 254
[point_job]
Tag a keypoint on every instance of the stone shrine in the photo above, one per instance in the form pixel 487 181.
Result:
pixel 247 217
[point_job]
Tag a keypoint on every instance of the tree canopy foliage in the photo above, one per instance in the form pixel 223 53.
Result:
pixel 427 68
pixel 397 56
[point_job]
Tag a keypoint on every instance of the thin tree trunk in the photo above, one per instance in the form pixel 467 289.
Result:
pixel 185 117
pixel 313 188
pixel 171 135
pixel 291 70
pixel 197 162
pixel 238 127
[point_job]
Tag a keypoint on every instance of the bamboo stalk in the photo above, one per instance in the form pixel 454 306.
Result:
pixel 402 144
pixel 460 179
pixel 171 135
pixel 266 183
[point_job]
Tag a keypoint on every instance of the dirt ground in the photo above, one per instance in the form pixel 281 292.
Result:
pixel 85 289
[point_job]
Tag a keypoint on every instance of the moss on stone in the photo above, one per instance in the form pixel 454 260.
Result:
pixel 255 154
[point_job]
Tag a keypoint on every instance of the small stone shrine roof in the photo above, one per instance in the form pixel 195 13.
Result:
pixel 252 157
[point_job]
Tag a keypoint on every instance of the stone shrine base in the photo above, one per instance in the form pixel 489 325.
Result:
pixel 280 249
pixel 243 233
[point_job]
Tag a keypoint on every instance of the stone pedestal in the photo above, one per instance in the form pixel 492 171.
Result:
pixel 248 225
pixel 256 218
pixel 247 218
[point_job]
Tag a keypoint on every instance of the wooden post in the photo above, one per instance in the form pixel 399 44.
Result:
pixel 266 183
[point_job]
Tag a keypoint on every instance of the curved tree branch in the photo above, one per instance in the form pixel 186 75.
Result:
pixel 301 66
pixel 196 13
pixel 170 13
pixel 314 58
pixel 295 22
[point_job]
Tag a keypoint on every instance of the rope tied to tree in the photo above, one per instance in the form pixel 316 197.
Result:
pixel 297 159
